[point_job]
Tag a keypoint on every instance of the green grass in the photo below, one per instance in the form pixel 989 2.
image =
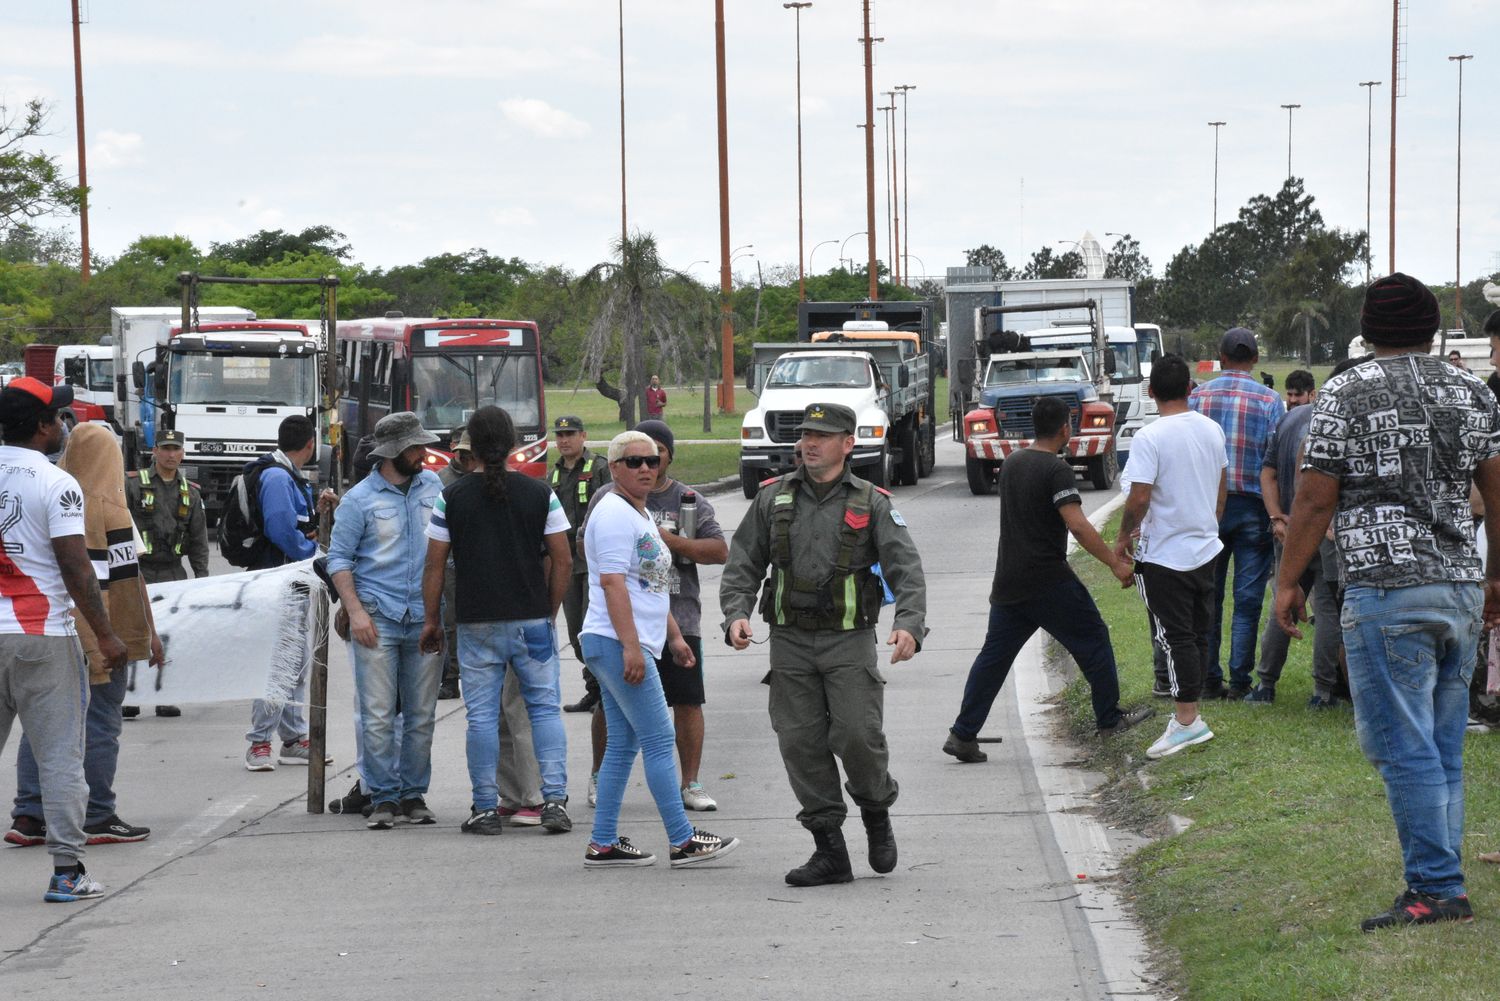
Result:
pixel 684 413
pixel 700 464
pixel 1291 845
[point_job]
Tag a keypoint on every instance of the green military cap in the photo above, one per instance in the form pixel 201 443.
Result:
pixel 173 439
pixel 831 417
pixel 568 423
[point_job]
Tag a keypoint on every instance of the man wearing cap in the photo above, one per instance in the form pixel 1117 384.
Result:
pixel 168 513
pixel 44 570
pixel 819 530
pixel 1392 449
pixel 375 557
pixel 1248 413
pixel 576 478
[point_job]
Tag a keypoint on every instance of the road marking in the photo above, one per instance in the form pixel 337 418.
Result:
pixel 201 826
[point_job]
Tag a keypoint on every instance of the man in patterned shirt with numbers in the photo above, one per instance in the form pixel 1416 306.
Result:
pixel 1393 447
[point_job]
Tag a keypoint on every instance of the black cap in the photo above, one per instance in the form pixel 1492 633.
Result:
pixel 176 439
pixel 831 417
pixel 1239 344
pixel 25 398
pixel 568 422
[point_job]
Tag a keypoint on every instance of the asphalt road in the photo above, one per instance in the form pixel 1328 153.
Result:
pixel 240 892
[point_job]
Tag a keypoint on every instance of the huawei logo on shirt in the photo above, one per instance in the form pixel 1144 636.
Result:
pixel 71 501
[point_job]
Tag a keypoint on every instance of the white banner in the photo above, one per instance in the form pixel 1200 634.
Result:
pixel 234 636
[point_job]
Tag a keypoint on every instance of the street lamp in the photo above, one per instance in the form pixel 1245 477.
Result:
pixel 851 236
pixel 889 156
pixel 1289 109
pixel 1216 126
pixel 907 253
pixel 815 250
pixel 801 275
pixel 1458 286
pixel 895 188
pixel 1369 86
pixel 905 250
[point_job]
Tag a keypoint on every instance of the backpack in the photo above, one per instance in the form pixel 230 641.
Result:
pixel 242 538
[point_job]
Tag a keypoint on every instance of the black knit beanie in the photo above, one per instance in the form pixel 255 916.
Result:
pixel 1399 312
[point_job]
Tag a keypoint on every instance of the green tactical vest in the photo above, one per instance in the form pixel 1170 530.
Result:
pixel 584 479
pixel 848 598
pixel 148 507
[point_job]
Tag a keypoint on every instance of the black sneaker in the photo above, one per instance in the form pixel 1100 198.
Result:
pixel 1236 693
pixel 26 832
pixel 555 816
pixel 130 712
pixel 622 852
pixel 354 801
pixel 168 712
pixel 583 705
pixel 702 847
pixel 1261 696
pixel 383 817
pixel 1212 692
pixel 1322 702
pixel 1126 721
pixel 1413 908
pixel 114 831
pixel 483 822
pixel 448 690
pixel 964 750
pixel 416 812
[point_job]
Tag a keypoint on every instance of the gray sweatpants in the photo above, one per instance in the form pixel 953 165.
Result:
pixel 45 683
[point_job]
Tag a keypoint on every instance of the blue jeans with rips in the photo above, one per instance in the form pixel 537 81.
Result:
pixel 393 678
pixel 639 722
pixel 1245 531
pixel 1411 654
pixel 529 648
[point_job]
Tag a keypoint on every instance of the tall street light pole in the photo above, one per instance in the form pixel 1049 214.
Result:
pixel 1395 93
pixel 797 8
pixel 623 231
pixel 811 253
pixel 895 188
pixel 83 168
pixel 905 250
pixel 726 279
pixel 869 43
pixel 885 111
pixel 1458 201
pixel 1369 86
pixel 1289 109
pixel 1216 126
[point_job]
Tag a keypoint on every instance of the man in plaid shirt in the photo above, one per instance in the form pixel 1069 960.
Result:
pixel 1248 412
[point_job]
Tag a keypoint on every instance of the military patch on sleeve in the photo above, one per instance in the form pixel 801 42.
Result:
pixel 896 517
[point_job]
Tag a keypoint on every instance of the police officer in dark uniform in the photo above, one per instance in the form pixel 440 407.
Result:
pixel 575 478
pixel 168 512
pixel 819 531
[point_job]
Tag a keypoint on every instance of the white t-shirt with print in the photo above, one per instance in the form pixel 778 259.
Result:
pixel 1182 456
pixel 622 540
pixel 38 503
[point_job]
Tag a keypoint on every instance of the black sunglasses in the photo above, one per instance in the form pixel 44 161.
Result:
pixel 637 461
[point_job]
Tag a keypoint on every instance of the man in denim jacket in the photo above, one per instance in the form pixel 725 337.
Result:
pixel 375 558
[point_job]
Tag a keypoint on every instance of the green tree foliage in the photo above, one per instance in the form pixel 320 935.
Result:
pixel 474 283
pixel 356 296
pixel 986 256
pixel 270 245
pixel 31 183
pixel 1045 264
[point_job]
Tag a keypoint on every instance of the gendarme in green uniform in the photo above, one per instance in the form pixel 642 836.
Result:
pixel 822 603
pixel 575 487
pixel 169 516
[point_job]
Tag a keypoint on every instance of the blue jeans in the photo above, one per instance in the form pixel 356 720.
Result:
pixel 1065 611
pixel 101 754
pixel 396 677
pixel 1411 654
pixel 528 647
pixel 638 721
pixel 1245 531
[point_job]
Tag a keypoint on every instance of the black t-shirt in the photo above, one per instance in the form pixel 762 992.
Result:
pixel 1033 536
pixel 498 548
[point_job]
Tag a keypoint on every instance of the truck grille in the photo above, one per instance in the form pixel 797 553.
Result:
pixel 781 426
pixel 1014 416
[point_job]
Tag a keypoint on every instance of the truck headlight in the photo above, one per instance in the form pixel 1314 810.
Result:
pixel 870 431
pixel 980 427
pixel 1094 421
pixel 752 434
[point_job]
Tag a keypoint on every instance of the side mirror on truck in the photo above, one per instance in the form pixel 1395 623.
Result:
pixel 138 376
pixel 750 378
pixel 1110 367
pixel 903 377
pixel 966 371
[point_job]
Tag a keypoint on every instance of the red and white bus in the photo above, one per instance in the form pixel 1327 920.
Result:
pixel 443 370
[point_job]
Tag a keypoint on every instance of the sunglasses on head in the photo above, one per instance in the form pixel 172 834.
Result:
pixel 637 461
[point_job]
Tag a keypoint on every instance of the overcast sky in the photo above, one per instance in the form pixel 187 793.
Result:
pixel 440 125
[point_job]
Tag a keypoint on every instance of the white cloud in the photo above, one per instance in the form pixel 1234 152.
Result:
pixel 513 217
pixel 542 119
pixel 117 149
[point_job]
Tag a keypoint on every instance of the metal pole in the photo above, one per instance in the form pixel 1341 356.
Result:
pixel 1289 109
pixel 890 250
pixel 905 251
pixel 1216 126
pixel 317 686
pixel 869 128
pixel 624 232
pixel 83 167
pixel 894 184
pixel 1458 202
pixel 1369 86
pixel 796 8
pixel 726 279
pixel 1395 89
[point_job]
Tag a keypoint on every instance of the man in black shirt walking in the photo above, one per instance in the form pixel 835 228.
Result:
pixel 1035 588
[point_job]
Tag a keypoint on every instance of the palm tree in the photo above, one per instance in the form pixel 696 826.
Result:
pixel 1309 311
pixel 645 302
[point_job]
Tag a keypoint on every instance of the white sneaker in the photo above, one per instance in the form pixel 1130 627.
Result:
pixel 1178 736
pixel 694 798
pixel 594 789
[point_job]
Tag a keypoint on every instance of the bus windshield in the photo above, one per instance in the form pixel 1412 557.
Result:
pixel 255 380
pixel 447 388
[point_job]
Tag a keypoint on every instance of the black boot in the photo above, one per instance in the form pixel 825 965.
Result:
pixel 882 839
pixel 829 863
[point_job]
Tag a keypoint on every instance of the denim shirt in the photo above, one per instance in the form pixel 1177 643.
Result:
pixel 379 537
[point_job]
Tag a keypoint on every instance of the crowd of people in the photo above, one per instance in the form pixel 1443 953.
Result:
pixel 1365 494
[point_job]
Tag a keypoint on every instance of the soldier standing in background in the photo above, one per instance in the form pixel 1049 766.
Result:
pixel 458 466
pixel 168 512
pixel 576 477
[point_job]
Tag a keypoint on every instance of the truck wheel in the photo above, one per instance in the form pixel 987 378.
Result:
pixel 749 482
pixel 983 478
pixel 907 470
pixel 927 447
pixel 882 473
pixel 1104 470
